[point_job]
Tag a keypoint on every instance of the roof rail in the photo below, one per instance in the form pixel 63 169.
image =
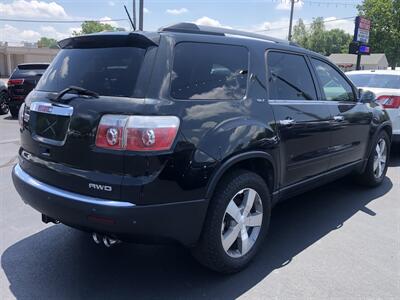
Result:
pixel 202 29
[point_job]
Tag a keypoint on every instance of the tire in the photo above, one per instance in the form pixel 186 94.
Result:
pixel 14 112
pixel 238 185
pixel 371 176
pixel 3 103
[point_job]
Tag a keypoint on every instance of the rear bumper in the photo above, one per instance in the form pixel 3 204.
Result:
pixel 181 222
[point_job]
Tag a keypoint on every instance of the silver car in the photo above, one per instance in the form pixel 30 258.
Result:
pixel 385 84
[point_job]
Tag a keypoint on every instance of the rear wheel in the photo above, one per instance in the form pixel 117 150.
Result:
pixel 14 112
pixel 237 221
pixel 3 103
pixel 377 164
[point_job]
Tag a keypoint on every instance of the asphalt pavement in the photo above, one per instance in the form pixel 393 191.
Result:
pixel 339 241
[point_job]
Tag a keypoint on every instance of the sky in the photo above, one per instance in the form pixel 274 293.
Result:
pixel 269 17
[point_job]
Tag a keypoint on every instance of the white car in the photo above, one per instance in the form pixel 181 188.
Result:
pixel 385 84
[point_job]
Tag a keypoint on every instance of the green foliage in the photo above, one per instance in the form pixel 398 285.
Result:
pixel 385 27
pixel 92 27
pixel 320 40
pixel 45 42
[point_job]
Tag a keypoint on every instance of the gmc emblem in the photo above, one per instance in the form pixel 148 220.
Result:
pixel 100 187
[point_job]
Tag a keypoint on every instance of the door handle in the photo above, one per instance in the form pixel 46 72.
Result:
pixel 338 118
pixel 287 122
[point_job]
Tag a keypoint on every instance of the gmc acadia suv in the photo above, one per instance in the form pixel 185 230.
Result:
pixel 190 134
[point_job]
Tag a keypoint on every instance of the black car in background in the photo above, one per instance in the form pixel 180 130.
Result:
pixel 190 134
pixel 21 82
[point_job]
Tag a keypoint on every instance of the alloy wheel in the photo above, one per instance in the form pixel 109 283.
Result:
pixel 380 158
pixel 242 222
pixel 3 103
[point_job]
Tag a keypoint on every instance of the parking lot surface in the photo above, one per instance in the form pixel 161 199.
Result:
pixel 340 241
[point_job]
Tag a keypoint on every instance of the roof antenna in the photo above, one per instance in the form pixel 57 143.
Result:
pixel 130 19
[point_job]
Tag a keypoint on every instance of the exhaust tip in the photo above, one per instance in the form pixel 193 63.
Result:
pixel 108 242
pixel 96 238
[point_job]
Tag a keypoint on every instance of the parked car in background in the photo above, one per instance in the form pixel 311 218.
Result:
pixel 21 82
pixel 385 84
pixel 3 98
pixel 190 134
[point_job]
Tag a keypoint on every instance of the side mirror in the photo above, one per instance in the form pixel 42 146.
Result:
pixel 366 96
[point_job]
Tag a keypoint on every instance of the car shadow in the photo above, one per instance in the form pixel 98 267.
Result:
pixel 62 263
pixel 10 118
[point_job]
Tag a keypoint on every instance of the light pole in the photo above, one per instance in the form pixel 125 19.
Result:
pixel 141 14
pixel 291 19
pixel 134 13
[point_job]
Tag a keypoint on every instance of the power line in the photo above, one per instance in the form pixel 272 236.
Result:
pixel 59 21
pixel 306 24
pixel 330 3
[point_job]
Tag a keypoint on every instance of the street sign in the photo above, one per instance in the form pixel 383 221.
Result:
pixel 364 50
pixel 359 49
pixel 361 30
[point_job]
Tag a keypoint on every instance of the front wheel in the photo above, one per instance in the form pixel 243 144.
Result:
pixel 236 223
pixel 377 164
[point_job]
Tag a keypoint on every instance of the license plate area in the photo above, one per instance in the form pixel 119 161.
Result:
pixel 50 122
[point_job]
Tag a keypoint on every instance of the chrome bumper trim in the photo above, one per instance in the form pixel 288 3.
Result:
pixel 25 177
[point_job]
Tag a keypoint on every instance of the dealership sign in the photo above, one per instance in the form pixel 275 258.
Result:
pixel 361 30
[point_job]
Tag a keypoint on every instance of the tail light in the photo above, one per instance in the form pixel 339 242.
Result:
pixel 12 82
pixel 21 113
pixel 137 133
pixel 389 101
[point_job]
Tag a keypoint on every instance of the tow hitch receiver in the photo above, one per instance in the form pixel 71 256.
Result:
pixel 47 219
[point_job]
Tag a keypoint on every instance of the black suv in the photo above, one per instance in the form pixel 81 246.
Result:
pixel 21 82
pixel 190 134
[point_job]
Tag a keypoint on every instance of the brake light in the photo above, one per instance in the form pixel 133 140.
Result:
pixel 21 114
pixel 137 133
pixel 389 101
pixel 110 132
pixel 12 82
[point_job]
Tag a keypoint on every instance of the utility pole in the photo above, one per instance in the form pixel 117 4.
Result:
pixel 134 13
pixel 358 65
pixel 141 14
pixel 291 19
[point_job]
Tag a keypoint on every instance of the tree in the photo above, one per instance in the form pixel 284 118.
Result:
pixel 300 33
pixel 320 40
pixel 337 41
pixel 385 27
pixel 92 27
pixel 316 41
pixel 45 42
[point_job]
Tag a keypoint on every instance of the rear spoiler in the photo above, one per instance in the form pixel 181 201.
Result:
pixel 111 39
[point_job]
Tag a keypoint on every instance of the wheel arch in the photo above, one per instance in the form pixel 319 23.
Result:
pixel 259 162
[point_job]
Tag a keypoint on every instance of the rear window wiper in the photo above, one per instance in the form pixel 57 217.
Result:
pixel 77 90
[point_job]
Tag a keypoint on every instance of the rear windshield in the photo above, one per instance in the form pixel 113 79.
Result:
pixel 385 81
pixel 107 71
pixel 29 70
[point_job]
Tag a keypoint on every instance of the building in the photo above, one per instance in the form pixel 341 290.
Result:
pixel 11 56
pixel 347 62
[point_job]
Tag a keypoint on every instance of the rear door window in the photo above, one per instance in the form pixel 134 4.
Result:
pixel 209 71
pixel 289 77
pixel 108 71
